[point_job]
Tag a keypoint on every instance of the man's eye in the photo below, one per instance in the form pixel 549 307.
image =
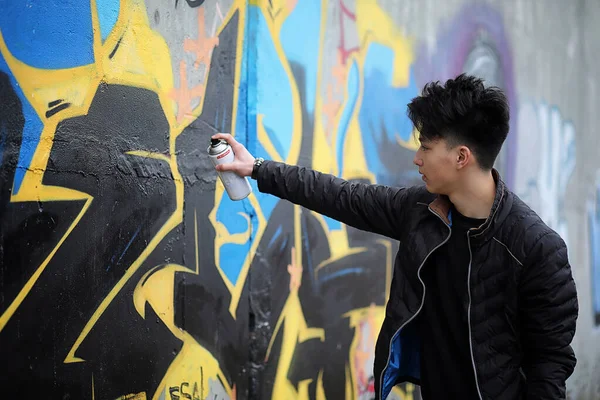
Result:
pixel 424 147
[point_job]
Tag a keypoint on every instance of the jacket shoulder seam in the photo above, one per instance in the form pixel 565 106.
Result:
pixel 509 252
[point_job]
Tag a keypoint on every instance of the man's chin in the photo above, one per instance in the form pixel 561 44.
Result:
pixel 437 191
pixel 430 189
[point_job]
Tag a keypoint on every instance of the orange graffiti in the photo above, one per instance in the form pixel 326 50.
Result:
pixel 295 272
pixel 330 109
pixel 364 350
pixel 203 46
pixel 339 72
pixel 183 95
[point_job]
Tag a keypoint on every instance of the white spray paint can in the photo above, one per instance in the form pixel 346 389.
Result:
pixel 237 187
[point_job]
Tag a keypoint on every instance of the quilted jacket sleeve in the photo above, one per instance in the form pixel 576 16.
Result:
pixel 549 311
pixel 374 208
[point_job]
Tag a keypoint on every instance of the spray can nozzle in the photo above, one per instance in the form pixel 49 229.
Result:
pixel 214 142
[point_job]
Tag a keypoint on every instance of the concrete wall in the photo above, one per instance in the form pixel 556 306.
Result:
pixel 127 273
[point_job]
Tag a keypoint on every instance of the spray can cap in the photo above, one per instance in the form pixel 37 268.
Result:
pixel 215 142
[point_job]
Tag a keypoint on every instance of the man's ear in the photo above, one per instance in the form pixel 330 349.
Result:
pixel 463 156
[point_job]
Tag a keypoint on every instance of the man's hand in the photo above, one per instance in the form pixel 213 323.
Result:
pixel 244 161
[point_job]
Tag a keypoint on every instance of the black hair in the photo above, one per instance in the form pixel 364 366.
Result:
pixel 463 112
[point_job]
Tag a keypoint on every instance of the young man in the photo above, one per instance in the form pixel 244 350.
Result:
pixel 482 303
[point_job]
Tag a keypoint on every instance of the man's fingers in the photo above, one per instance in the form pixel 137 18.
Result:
pixel 227 137
pixel 235 145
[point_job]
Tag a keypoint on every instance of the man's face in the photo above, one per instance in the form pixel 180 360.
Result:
pixel 437 165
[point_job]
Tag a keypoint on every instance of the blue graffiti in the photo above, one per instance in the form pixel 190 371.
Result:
pixel 300 41
pixel 353 90
pixel 271 97
pixel 53 39
pixel 31 130
pixel 108 13
pixel 110 265
pixel 232 215
pixel 269 90
pixel 382 114
pixel 50 40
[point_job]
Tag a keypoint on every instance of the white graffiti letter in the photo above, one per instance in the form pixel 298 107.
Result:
pixel 545 162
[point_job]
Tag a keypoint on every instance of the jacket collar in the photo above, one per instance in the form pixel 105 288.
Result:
pixel 500 208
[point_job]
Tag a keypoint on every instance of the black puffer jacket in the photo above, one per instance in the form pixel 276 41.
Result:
pixel 522 299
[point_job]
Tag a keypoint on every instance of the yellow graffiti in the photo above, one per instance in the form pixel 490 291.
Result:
pixel 140 23
pixel 77 86
pixel 361 349
pixel 194 366
pixel 144 60
pixel 274 26
pixel 133 396
pixel 353 145
pixel 295 329
pixel 195 372
pixel 412 143
pixel 277 10
pixel 373 26
pixel 147 48
pixel 370 30
pixel 223 237
pixel 263 138
pixel 8 313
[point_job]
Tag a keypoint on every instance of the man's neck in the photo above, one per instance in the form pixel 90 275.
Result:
pixel 476 197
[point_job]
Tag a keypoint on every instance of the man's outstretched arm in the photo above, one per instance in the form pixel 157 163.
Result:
pixel 375 208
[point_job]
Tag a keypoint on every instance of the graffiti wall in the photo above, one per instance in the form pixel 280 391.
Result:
pixel 125 270
pixel 110 287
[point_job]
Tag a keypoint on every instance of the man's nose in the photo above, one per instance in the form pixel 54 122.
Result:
pixel 417 160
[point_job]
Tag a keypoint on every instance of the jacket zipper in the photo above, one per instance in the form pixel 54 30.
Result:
pixel 420 306
pixel 469 317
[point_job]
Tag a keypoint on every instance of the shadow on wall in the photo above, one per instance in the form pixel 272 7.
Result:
pixel 594 232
